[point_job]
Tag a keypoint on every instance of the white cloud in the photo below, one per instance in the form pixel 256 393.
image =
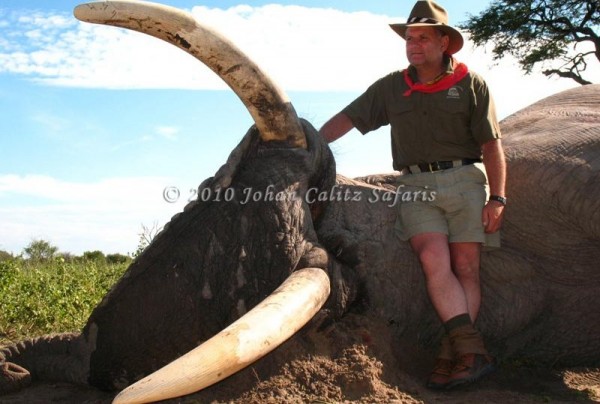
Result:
pixel 168 132
pixel 314 49
pixel 306 49
pixel 45 22
pixel 311 49
pixel 511 89
pixel 105 215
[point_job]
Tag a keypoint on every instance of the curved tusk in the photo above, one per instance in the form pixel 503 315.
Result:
pixel 248 339
pixel 268 105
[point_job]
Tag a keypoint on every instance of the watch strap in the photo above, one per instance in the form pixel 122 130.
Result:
pixel 498 198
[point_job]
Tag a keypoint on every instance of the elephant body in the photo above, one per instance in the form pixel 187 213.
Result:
pixel 538 288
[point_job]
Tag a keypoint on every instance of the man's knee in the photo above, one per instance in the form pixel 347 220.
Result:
pixel 429 258
pixel 433 263
pixel 466 267
pixel 433 253
pixel 465 261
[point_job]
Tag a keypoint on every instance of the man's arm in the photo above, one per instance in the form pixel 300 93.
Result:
pixel 495 166
pixel 336 127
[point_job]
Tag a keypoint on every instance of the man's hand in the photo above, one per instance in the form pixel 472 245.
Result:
pixel 492 216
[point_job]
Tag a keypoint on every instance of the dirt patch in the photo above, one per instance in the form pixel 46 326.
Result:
pixel 355 360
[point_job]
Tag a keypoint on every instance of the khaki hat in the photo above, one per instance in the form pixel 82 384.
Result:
pixel 430 14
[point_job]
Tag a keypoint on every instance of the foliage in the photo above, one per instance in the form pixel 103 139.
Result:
pixel 49 292
pixel 94 256
pixel 40 250
pixel 117 259
pixel 146 236
pixel 541 31
pixel 40 297
pixel 5 256
pixel 66 256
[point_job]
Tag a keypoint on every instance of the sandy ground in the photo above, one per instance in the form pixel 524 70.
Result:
pixel 356 361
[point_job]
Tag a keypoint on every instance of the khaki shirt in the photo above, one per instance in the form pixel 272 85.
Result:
pixel 448 125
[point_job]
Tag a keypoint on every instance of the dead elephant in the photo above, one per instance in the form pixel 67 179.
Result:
pixel 218 259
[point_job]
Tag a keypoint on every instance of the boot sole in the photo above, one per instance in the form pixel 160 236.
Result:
pixel 437 386
pixel 486 370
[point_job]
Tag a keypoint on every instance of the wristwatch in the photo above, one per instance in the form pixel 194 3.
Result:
pixel 498 198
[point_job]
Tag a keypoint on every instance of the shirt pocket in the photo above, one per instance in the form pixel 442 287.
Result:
pixel 399 109
pixel 452 125
pixel 402 119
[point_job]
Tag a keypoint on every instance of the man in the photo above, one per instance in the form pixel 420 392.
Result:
pixel 443 125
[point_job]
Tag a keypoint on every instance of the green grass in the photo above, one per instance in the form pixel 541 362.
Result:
pixel 51 296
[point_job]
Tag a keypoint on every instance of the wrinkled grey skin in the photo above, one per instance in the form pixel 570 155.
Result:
pixel 216 260
pixel 540 289
pixel 210 265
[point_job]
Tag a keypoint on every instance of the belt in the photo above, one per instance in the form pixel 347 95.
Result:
pixel 440 165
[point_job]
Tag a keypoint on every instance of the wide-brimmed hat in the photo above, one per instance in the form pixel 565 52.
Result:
pixel 430 14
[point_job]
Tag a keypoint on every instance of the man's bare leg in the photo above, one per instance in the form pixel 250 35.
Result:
pixel 444 289
pixel 452 279
pixel 465 258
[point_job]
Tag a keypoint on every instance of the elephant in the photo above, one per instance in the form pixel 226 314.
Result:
pixel 282 242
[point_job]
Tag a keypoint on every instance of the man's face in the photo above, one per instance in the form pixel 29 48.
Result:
pixel 425 46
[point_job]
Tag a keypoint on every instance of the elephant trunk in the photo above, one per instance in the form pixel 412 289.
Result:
pixel 248 339
pixel 62 357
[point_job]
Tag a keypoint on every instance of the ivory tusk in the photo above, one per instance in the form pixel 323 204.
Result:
pixel 248 339
pixel 268 105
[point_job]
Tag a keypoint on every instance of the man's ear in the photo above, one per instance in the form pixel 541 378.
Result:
pixel 445 43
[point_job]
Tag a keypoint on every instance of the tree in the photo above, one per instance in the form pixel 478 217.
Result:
pixel 146 236
pixel 117 258
pixel 565 32
pixel 40 250
pixel 94 256
pixel 5 256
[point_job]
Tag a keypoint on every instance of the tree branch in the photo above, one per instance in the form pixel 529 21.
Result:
pixel 568 75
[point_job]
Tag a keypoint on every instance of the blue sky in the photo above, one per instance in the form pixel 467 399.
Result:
pixel 97 121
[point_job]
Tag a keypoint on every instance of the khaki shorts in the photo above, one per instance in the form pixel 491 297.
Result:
pixel 448 202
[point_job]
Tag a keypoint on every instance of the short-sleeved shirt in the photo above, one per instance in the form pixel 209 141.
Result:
pixel 426 127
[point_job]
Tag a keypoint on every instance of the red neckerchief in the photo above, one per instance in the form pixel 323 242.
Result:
pixel 459 72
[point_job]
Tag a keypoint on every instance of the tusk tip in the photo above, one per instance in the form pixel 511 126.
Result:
pixel 81 12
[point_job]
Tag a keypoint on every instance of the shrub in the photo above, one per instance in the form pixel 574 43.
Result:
pixel 94 256
pixel 40 250
pixel 50 296
pixel 5 256
pixel 117 259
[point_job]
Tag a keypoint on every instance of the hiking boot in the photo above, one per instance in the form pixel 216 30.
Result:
pixel 438 379
pixel 469 368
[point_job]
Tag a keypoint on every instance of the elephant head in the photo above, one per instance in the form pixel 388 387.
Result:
pixel 224 255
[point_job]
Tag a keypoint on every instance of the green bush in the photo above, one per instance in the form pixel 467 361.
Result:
pixel 40 250
pixel 94 256
pixel 51 296
pixel 117 259
pixel 5 256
